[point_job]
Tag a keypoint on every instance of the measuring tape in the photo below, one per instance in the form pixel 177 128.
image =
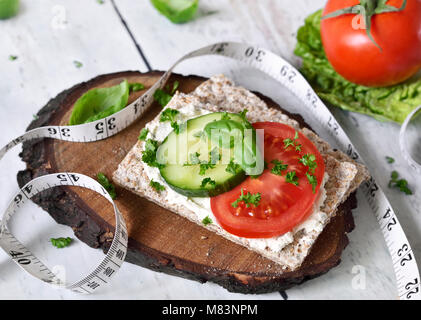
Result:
pixel 405 266
pixel 402 141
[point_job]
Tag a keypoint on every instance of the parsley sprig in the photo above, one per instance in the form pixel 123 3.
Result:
pixel 390 159
pixel 61 242
pixel 225 116
pixel 149 154
pixel 103 180
pixel 208 181
pixel 233 167
pixel 243 113
pixel 309 160
pixel 312 180
pixel 143 134
pixel 278 167
pixel 288 142
pixel 157 186
pixel 136 86
pixel 171 115
pixel 164 96
pixel 204 165
pixel 249 199
pixel 291 177
pixel 207 220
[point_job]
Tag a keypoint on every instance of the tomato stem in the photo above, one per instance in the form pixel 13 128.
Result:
pixel 367 9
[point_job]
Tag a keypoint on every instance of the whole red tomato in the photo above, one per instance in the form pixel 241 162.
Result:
pixel 354 56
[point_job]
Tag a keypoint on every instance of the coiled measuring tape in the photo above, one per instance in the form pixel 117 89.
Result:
pixel 405 266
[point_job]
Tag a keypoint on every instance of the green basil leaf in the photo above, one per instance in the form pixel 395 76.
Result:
pixel 100 103
pixel 177 11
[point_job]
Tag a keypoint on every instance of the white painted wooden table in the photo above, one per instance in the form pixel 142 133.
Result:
pixel 48 35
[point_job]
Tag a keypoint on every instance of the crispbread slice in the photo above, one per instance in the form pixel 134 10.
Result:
pixel 219 93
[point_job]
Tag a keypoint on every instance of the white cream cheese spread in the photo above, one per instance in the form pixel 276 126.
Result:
pixel 201 206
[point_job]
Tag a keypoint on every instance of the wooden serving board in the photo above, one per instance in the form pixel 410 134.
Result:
pixel 158 239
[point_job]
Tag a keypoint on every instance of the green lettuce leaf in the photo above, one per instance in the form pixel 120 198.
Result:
pixel 388 103
pixel 177 11
pixel 100 103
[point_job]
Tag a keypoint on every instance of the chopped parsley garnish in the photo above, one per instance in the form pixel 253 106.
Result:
pixel 176 127
pixel 291 177
pixel 243 113
pixel 163 97
pixel 292 142
pixel 13 58
pixel 214 155
pixel 78 64
pixel 61 242
pixel 249 199
pixel 157 186
pixel 169 115
pixel 312 180
pixel 390 159
pixel 143 134
pixel 149 154
pixel 233 168
pixel 225 116
pixel 278 167
pixel 204 167
pixel 133 87
pixel 209 181
pixel 103 180
pixel 309 160
pixel 207 220
pixel 401 184
pixel 288 142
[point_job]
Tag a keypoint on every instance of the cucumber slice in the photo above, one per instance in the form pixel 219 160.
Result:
pixel 190 157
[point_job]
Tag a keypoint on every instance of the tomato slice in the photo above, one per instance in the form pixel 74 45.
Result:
pixel 283 205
